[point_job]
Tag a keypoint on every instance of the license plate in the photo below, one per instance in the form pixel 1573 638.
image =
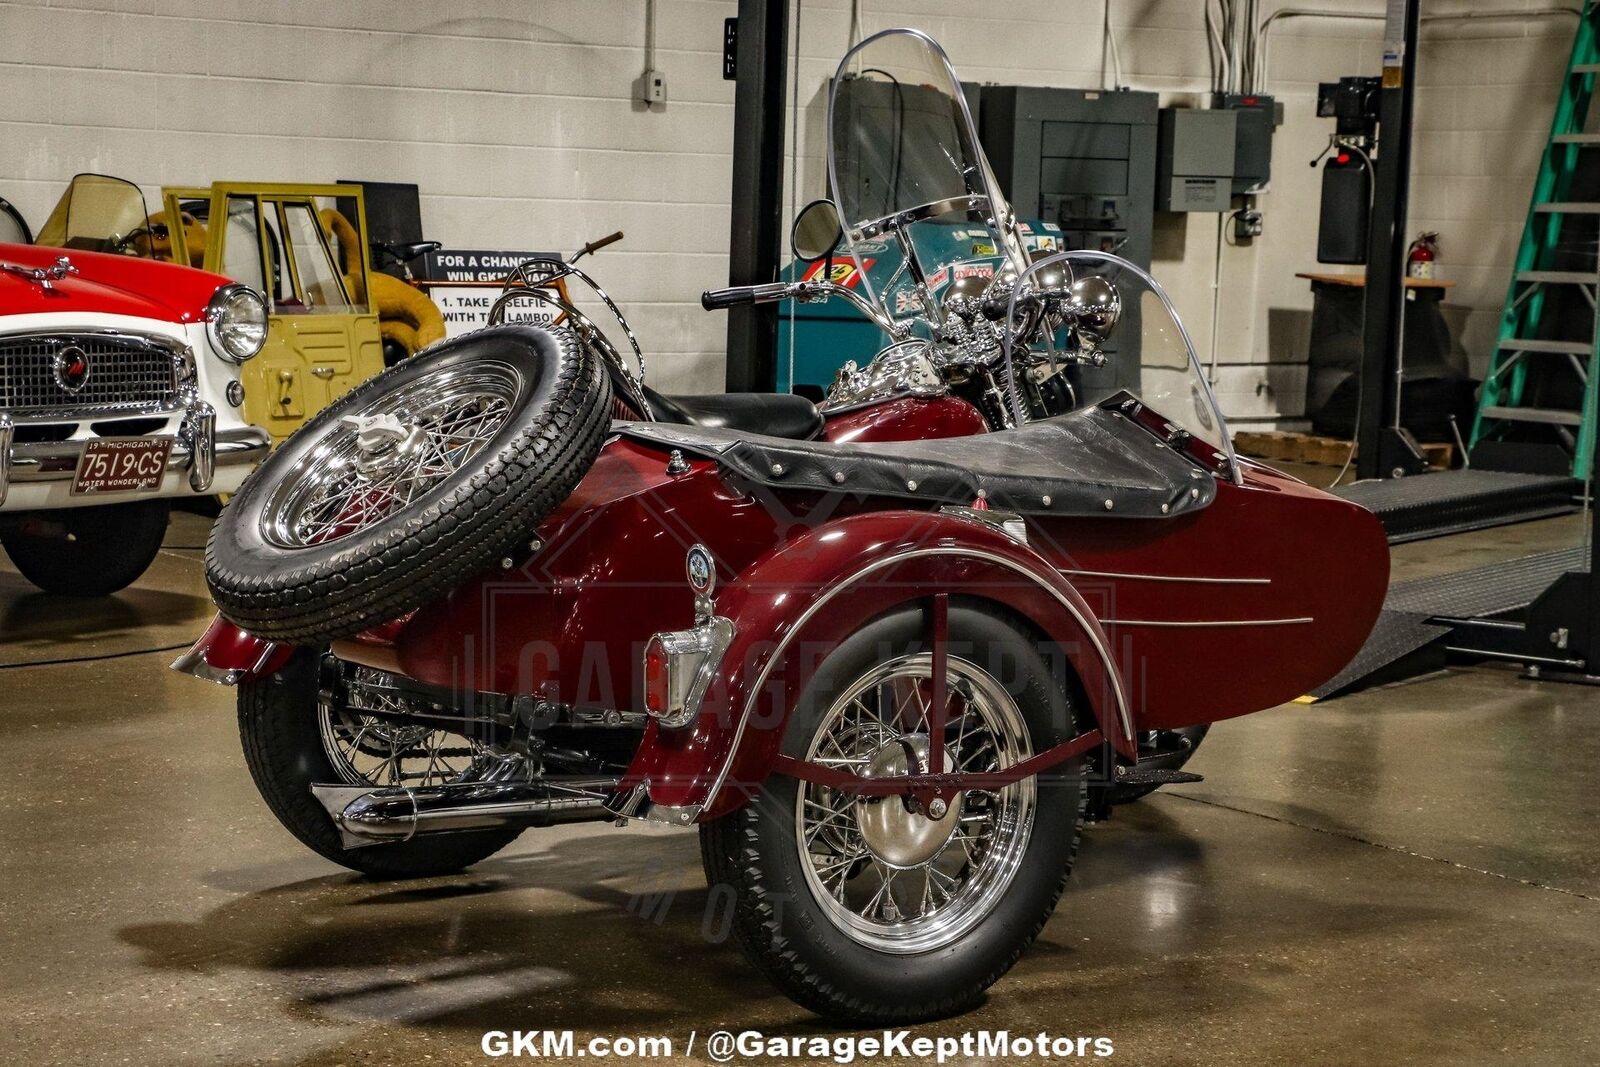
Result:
pixel 121 465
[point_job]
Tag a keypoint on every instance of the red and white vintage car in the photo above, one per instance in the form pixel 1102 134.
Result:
pixel 119 391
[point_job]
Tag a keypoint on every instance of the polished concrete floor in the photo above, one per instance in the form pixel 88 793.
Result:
pixel 1405 875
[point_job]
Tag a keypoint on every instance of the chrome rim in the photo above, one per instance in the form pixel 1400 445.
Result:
pixel 896 880
pixel 389 453
pixel 366 750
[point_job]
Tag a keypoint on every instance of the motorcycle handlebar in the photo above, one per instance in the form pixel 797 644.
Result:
pixel 737 295
pixel 609 239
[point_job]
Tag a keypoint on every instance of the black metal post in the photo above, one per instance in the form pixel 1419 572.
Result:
pixel 1385 448
pixel 760 79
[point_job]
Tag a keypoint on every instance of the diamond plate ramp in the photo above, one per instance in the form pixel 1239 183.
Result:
pixel 1434 505
pixel 1408 624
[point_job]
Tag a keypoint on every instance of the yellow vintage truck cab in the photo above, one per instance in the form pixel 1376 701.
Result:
pixel 322 337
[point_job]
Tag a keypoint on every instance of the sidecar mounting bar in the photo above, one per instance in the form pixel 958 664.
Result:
pixel 924 787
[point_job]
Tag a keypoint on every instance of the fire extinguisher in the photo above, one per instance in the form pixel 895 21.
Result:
pixel 1424 251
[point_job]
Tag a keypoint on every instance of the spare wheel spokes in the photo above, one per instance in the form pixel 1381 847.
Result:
pixel 379 460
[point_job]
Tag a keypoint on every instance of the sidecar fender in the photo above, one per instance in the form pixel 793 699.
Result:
pixel 227 655
pixel 792 606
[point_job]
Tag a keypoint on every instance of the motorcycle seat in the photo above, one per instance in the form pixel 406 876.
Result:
pixel 409 250
pixel 784 415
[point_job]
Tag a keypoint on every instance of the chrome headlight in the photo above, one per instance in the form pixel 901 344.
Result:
pixel 236 322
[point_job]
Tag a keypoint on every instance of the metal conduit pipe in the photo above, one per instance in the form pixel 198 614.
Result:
pixel 1261 41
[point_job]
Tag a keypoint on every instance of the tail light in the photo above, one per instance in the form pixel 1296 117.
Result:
pixel 678 667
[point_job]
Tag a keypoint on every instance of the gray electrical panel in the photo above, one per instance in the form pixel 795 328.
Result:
pixel 1081 158
pixel 1252 147
pixel 1194 159
pixel 1086 160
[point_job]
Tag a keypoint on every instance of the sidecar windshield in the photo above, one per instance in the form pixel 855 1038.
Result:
pixel 908 176
pixel 1117 333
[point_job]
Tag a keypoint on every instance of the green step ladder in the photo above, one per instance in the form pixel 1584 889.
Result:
pixel 1524 325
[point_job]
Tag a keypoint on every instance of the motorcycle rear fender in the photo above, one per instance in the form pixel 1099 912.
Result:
pixel 227 655
pixel 795 604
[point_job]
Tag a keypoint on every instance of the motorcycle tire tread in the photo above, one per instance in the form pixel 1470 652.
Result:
pixel 283 751
pixel 442 544
pixel 733 855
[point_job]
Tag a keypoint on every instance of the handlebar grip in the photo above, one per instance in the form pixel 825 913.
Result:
pixel 736 295
pixel 609 239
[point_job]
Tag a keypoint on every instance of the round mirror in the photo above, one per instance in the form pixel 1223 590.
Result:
pixel 816 231
pixel 1096 305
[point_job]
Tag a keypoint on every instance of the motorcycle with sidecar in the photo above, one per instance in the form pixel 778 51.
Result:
pixel 880 652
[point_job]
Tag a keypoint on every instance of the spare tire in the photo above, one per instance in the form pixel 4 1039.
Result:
pixel 409 484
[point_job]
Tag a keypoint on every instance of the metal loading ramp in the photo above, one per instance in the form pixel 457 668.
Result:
pixel 1411 632
pixel 1449 502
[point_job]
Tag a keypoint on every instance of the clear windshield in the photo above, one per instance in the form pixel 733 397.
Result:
pixel 1116 332
pixel 99 213
pixel 908 176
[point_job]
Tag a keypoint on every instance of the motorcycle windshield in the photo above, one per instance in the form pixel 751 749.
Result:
pixel 908 177
pixel 1112 333
pixel 98 213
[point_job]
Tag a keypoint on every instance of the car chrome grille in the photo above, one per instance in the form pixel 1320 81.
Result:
pixel 125 375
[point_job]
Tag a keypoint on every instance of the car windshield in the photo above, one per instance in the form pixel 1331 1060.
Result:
pixel 99 213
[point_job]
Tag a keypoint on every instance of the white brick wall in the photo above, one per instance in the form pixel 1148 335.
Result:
pixel 515 120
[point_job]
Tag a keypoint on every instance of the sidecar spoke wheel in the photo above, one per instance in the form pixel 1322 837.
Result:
pixel 864 909
pixel 893 905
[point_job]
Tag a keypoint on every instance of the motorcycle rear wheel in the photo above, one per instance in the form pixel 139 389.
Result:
pixel 951 917
pixel 285 734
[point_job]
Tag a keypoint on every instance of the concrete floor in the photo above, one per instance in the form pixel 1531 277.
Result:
pixel 1404 875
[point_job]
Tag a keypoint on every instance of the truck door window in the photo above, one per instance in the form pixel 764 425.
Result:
pixel 241 245
pixel 320 284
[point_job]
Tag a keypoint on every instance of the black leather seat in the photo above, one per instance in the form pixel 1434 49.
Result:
pixel 1089 462
pixel 773 414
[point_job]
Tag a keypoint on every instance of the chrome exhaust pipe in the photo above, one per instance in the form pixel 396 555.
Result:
pixel 367 816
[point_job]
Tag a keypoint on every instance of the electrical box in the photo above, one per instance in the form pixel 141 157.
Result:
pixel 1194 159
pixel 1079 158
pixel 1258 116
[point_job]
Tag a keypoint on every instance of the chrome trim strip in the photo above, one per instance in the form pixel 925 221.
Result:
pixel 1165 577
pixel 975 553
pixel 1208 622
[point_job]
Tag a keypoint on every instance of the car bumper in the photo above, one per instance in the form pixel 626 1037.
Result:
pixel 204 460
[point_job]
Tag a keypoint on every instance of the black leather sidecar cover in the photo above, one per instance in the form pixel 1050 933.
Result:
pixel 1089 462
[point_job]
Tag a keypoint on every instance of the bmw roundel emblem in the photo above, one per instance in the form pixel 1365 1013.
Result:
pixel 702 574
pixel 71 367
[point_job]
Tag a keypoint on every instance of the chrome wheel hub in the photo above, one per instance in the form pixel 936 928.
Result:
pixel 383 441
pixel 904 881
pixel 895 834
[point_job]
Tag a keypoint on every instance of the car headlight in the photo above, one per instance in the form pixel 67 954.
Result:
pixel 236 322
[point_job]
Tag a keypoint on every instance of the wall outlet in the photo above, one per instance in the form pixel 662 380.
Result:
pixel 651 87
